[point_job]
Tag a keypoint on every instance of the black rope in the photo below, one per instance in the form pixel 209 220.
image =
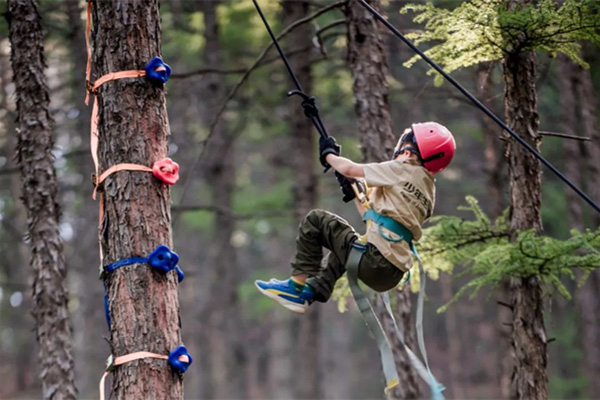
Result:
pixel 479 105
pixel 308 102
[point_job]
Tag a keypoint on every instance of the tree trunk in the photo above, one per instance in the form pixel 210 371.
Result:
pixel 455 373
pixel 587 296
pixel 368 63
pixel 491 134
pixel 133 128
pixel 225 344
pixel 529 378
pixel 309 376
pixel 14 253
pixel 571 150
pixel 494 167
pixel 34 155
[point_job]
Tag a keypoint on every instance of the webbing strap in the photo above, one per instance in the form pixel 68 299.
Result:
pixel 370 318
pixel 436 388
pixel 389 224
pixel 112 363
pixel 88 68
pixel 94 121
pixel 422 369
pixel 368 314
pixel 116 168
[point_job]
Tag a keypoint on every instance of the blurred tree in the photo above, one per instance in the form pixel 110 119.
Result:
pixel 368 63
pixel 39 194
pixel 578 105
pixel 309 375
pixel 133 128
pixel 224 348
pixel 87 315
pixel 19 357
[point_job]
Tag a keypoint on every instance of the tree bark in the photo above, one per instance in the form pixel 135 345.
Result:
pixel 309 376
pixel 14 252
pixel 36 162
pixel 491 134
pixel 494 168
pixel 529 378
pixel 571 149
pixel 225 351
pixel 133 128
pixel 369 66
pixel 587 297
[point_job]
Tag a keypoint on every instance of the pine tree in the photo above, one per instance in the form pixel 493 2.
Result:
pixel 40 187
pixel 369 66
pixel 484 30
pixel 308 379
pixel 133 128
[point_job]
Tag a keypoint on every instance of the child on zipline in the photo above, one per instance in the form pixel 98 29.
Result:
pixel 401 199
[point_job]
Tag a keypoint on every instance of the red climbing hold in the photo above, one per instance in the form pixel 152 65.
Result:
pixel 166 170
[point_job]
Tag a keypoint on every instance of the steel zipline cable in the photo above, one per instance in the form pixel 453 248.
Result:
pixel 310 108
pixel 479 105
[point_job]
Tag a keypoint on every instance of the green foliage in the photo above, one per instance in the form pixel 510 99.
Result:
pixel 485 30
pixel 341 293
pixel 483 247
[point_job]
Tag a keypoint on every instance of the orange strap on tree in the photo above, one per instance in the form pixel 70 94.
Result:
pixel 179 359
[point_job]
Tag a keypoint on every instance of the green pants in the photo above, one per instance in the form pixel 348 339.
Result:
pixel 320 229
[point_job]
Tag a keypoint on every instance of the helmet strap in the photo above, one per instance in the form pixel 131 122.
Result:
pixel 409 148
pixel 434 157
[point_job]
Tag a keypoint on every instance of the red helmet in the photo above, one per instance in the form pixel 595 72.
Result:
pixel 436 145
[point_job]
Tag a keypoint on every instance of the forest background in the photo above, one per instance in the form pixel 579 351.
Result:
pixel 248 180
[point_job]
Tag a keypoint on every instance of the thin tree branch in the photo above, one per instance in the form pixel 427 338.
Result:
pixel 563 135
pixel 227 212
pixel 204 71
pixel 320 39
pixel 505 304
pixel 74 153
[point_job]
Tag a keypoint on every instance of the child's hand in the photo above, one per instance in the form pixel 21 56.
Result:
pixel 346 186
pixel 328 145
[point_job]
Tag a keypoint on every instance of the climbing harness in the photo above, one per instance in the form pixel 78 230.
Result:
pixel 387 358
pixel 479 105
pixel 371 320
pixel 179 360
pixel 166 170
pixel 358 248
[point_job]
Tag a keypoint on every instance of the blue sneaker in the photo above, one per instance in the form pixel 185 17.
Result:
pixel 284 293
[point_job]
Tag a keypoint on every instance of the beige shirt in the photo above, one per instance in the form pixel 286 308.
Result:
pixel 403 190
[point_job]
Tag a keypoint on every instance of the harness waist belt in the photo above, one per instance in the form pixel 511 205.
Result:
pixel 389 224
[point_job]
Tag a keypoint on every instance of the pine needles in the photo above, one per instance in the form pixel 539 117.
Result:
pixel 486 254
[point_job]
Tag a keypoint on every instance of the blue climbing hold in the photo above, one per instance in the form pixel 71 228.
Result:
pixel 157 71
pixel 180 274
pixel 163 259
pixel 180 359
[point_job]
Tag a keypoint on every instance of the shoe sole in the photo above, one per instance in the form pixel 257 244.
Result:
pixel 293 307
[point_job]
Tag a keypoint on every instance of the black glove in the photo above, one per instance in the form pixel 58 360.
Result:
pixel 346 186
pixel 328 145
